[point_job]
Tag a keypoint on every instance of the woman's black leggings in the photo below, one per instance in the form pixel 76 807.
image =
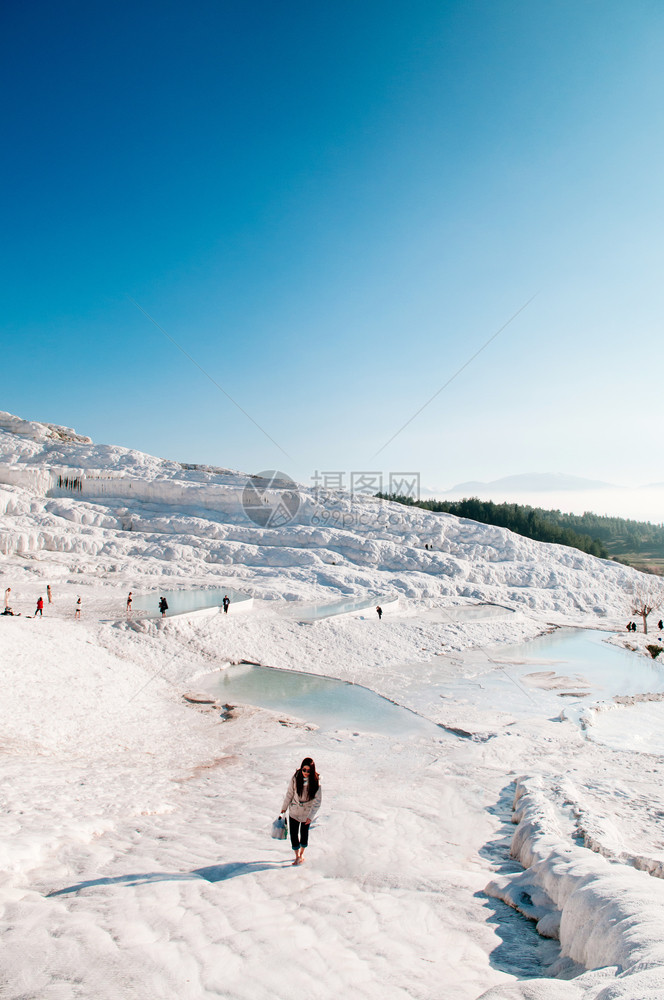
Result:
pixel 299 833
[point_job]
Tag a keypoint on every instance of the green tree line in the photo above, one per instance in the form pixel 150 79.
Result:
pixel 533 522
pixel 618 534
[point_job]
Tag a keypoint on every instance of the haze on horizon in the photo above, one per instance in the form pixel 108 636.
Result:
pixel 332 209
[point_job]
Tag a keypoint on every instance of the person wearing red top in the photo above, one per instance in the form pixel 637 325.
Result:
pixel 40 607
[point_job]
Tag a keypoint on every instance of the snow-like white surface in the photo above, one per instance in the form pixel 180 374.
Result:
pixel 135 825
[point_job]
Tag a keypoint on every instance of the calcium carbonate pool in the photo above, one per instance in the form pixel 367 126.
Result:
pixel 568 668
pixel 584 653
pixel 312 612
pixel 329 704
pixel 564 669
pixel 183 601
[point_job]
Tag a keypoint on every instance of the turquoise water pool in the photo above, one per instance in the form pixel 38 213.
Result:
pixel 566 669
pixel 329 704
pixel 182 601
pixel 607 669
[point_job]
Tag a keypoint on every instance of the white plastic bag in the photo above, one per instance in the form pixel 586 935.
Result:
pixel 279 831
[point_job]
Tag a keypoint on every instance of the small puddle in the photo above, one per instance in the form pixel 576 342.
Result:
pixel 329 704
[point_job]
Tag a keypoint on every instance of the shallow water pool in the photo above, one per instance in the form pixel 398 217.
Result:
pixel 584 653
pixel 182 601
pixel 567 667
pixel 312 612
pixel 328 703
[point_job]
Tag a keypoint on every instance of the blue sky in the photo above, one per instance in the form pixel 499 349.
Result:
pixel 331 207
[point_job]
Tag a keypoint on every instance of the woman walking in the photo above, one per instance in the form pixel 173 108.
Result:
pixel 302 801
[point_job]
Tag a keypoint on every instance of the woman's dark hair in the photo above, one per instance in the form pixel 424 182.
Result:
pixel 314 780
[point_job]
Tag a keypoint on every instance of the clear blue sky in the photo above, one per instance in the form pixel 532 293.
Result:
pixel 331 206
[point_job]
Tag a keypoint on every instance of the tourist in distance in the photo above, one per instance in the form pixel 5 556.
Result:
pixel 379 612
pixel 129 600
pixel 302 801
pixel 49 594
pixel 77 613
pixel 7 596
pixel 226 601
pixel 163 606
pixel 40 607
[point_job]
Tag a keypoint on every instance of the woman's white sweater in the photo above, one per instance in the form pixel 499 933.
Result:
pixel 299 806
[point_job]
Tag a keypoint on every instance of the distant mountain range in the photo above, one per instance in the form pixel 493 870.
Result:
pixel 534 482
